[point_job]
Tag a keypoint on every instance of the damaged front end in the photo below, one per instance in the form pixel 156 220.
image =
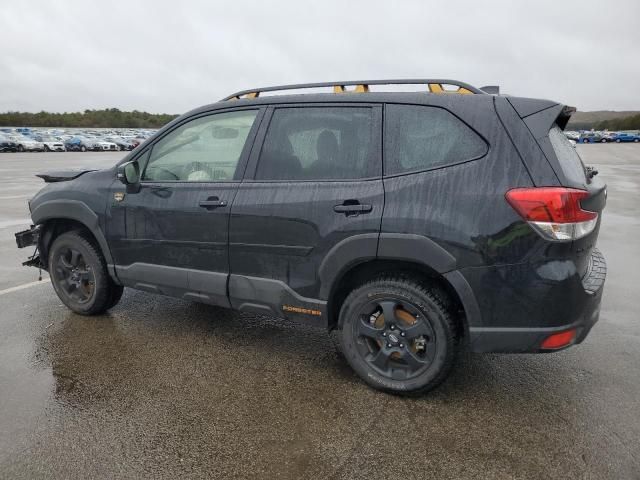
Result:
pixel 30 238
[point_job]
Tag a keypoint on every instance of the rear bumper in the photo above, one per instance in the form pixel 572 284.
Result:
pixel 572 299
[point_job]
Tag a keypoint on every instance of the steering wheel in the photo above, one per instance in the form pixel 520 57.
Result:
pixel 175 177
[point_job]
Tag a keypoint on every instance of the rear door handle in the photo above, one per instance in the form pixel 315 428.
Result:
pixel 212 202
pixel 352 208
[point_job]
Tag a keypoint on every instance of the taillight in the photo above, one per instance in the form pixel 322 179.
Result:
pixel 554 212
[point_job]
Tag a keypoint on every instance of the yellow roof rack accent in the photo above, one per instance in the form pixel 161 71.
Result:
pixel 437 88
pixel 362 86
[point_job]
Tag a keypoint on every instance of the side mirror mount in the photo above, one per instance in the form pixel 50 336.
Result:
pixel 129 175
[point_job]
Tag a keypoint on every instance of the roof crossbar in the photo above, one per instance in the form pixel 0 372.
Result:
pixel 362 86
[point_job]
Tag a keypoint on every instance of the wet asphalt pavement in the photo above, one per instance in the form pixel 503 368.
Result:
pixel 164 388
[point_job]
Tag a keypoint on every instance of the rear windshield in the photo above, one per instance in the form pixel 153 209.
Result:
pixel 568 157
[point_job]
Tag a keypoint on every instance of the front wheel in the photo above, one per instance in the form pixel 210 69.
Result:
pixel 604 140
pixel 399 335
pixel 83 148
pixel 79 275
pixel 636 140
pixel 20 148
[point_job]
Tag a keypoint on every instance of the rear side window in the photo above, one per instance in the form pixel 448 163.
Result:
pixel 421 138
pixel 319 143
pixel 568 157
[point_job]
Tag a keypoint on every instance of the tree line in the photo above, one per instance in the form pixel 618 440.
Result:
pixel 108 118
pixel 627 123
pixel 632 122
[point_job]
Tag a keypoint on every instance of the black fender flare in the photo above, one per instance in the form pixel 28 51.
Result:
pixel 344 254
pixel 384 246
pixel 412 248
pixel 73 210
pixel 415 248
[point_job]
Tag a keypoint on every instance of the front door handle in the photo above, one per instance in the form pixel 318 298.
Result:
pixel 352 208
pixel 212 202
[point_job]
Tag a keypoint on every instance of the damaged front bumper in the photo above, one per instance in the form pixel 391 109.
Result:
pixel 29 238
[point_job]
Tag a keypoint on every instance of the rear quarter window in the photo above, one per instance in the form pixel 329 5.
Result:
pixel 422 138
pixel 568 157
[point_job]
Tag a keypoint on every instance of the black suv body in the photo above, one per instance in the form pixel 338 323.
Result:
pixel 415 223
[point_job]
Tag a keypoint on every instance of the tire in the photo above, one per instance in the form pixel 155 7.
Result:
pixel 399 366
pixel 604 140
pixel 116 295
pixel 636 140
pixel 20 148
pixel 46 148
pixel 79 275
pixel 617 140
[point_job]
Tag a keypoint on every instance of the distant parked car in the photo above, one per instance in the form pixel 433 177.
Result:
pixel 7 145
pixel 607 137
pixel 52 144
pixel 103 145
pixel 575 136
pixel 626 137
pixel 591 137
pixel 122 143
pixel 26 144
pixel 78 144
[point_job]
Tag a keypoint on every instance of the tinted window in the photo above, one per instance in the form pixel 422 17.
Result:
pixel 419 138
pixel 203 150
pixel 568 157
pixel 319 143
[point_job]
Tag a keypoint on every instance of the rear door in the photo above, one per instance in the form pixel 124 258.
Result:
pixel 315 183
pixel 171 237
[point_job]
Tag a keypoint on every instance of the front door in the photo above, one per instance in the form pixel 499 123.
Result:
pixel 314 184
pixel 171 237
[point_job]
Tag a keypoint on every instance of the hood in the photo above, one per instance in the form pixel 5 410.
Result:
pixel 62 175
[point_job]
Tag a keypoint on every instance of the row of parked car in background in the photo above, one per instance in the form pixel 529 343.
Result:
pixel 24 139
pixel 592 136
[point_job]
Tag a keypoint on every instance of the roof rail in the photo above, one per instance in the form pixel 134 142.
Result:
pixel 362 86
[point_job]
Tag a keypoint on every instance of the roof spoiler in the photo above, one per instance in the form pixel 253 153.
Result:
pixel 541 114
pixel 491 89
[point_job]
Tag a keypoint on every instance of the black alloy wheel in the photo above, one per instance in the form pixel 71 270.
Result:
pixel 399 334
pixel 399 342
pixel 79 274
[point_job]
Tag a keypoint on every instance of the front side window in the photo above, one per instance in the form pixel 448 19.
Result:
pixel 206 149
pixel 421 138
pixel 319 143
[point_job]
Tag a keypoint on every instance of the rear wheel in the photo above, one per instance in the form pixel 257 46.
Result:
pixel 46 148
pixel 20 148
pixel 83 148
pixel 636 140
pixel 79 275
pixel 604 140
pixel 399 335
pixel 617 140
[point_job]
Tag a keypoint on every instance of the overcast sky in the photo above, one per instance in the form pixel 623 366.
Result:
pixel 171 56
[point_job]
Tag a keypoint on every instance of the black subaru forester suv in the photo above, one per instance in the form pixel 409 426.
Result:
pixel 414 224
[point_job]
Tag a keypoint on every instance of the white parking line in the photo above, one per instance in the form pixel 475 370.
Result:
pixel 24 285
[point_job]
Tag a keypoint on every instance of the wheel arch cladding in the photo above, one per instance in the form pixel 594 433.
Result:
pixel 76 211
pixel 409 254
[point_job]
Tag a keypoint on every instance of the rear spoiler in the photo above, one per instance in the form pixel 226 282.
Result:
pixel 540 115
